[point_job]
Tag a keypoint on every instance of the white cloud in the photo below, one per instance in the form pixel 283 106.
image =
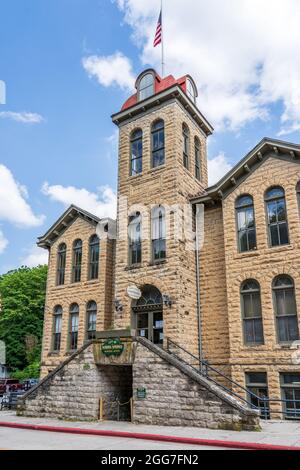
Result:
pixel 114 70
pixel 295 127
pixel 244 54
pixel 217 168
pixel 13 205
pixel 102 203
pixel 25 118
pixel 3 242
pixel 35 257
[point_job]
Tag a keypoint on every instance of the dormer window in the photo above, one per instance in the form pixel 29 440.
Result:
pixel 190 90
pixel 146 86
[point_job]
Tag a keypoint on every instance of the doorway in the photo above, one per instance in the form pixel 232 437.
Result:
pixel 148 315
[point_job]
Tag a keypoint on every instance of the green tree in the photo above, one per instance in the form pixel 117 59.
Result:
pixel 22 294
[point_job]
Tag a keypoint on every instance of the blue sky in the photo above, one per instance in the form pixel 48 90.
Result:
pixel 69 64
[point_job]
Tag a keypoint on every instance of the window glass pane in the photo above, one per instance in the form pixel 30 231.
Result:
pixel 242 222
pixel 283 232
pixel 158 158
pixel 293 331
pixel 272 212
pixel 274 235
pixel 244 201
pixel 252 239
pixel 281 210
pixel 249 331
pixel 291 379
pixel 258 331
pixel 243 241
pixel 256 378
pixel 275 193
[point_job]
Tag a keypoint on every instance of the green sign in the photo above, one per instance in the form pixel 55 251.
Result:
pixel 112 348
pixel 141 393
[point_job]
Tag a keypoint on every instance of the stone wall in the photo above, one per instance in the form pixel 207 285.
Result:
pixel 263 265
pixel 175 394
pixel 100 291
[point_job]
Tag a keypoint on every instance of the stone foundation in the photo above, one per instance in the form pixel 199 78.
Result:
pixel 175 394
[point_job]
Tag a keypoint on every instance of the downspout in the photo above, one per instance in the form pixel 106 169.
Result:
pixel 199 240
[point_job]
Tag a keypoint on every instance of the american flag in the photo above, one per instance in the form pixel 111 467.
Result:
pixel 158 34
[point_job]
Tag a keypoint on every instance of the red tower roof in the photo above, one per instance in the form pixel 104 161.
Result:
pixel 160 84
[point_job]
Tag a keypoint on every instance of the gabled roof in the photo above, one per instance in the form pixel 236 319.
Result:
pixel 68 217
pixel 266 148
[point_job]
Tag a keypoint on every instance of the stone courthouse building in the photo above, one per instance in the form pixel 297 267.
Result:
pixel 186 307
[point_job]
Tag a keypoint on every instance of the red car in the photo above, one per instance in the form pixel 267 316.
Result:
pixel 9 385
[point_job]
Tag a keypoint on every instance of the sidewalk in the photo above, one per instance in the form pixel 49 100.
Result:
pixel 278 433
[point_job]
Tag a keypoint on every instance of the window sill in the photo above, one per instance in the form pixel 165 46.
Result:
pixel 133 267
pixel 266 250
pixel 70 353
pixel 54 354
pixel 157 263
pixel 248 254
pixel 273 249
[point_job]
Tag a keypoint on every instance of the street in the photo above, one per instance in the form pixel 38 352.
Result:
pixel 18 439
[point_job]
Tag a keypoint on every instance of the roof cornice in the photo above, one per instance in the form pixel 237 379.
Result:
pixel 67 218
pixel 266 148
pixel 174 92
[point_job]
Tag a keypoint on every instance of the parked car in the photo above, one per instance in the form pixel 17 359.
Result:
pixel 29 383
pixel 10 385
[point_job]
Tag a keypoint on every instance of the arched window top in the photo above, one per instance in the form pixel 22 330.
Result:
pixel 276 192
pixel 157 125
pixel 74 309
pixel 94 240
pixel 185 129
pixel 77 244
pixel 135 218
pixel 62 248
pixel 136 135
pixel 150 296
pixel 283 282
pixel 58 310
pixel 91 306
pixel 146 86
pixel 244 201
pixel 158 211
pixel 250 286
pixel 191 90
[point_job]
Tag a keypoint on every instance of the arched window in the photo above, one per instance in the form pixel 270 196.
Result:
pixel 57 322
pixel 197 158
pixel 135 239
pixel 61 264
pixel 186 145
pixel 94 246
pixel 77 261
pixel 298 196
pixel 252 313
pixel 285 309
pixel 158 143
pixel 91 320
pixel 146 86
pixel 158 234
pixel 74 322
pixel 277 217
pixel 190 90
pixel 136 144
pixel 246 223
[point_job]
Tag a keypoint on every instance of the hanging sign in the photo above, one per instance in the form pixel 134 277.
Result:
pixel 112 348
pixel 134 292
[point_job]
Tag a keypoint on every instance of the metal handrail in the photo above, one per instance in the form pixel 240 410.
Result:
pixel 265 402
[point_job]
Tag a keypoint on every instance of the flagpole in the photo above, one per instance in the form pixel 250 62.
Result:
pixel 162 42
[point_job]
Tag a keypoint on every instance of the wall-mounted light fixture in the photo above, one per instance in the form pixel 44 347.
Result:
pixel 167 300
pixel 118 305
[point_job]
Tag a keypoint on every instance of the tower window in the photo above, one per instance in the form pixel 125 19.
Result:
pixel 285 309
pixel 61 264
pixel 190 90
pixel 135 239
pixel 146 86
pixel 186 145
pixel 77 260
pixel 94 257
pixel 136 144
pixel 158 234
pixel 158 143
pixel 277 217
pixel 246 223
pixel 197 158
pixel 252 313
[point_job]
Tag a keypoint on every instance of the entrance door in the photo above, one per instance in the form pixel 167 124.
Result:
pixel 150 325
